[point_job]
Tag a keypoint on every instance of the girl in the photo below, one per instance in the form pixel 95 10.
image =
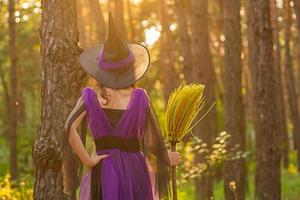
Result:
pixel 131 160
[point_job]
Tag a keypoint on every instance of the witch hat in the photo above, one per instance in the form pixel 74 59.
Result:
pixel 115 63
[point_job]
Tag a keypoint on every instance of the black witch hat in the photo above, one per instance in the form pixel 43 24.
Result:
pixel 115 63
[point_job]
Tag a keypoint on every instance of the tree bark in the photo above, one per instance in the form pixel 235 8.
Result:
pixel 233 100
pixel 203 72
pixel 97 14
pixel 119 17
pixel 131 33
pixel 297 12
pixel 266 119
pixel 62 78
pixel 169 74
pixel 184 38
pixel 290 82
pixel 81 25
pixel 284 144
pixel 13 103
pixel 92 35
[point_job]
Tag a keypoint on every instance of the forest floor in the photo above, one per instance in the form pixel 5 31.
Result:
pixel 290 179
pixel 290 183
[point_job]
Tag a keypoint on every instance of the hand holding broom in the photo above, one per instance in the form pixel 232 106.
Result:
pixel 184 105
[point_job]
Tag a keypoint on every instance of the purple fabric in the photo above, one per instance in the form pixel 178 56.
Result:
pixel 124 176
pixel 114 65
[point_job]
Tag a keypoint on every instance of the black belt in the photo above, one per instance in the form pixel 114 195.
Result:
pixel 122 143
pixel 104 143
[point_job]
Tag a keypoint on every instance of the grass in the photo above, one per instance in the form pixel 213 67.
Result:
pixel 290 183
pixel 290 188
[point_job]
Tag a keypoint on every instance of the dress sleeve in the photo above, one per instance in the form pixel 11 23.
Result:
pixel 76 111
pixel 72 167
pixel 154 148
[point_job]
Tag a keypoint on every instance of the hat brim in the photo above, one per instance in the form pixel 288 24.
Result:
pixel 88 60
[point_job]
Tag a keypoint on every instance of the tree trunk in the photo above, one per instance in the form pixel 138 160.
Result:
pixel 92 35
pixel 297 12
pixel 203 72
pixel 184 38
pixel 81 25
pixel 233 100
pixel 169 74
pixel 109 5
pixel 290 82
pixel 131 33
pixel 119 17
pixel 13 104
pixel 266 120
pixel 284 143
pixel 6 120
pixel 96 12
pixel 62 78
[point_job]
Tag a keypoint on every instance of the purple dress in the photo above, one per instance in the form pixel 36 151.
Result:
pixel 137 165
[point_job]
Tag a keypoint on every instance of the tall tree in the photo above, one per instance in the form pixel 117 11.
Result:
pixel 131 33
pixel 290 81
pixel 203 72
pixel 181 8
pixel 97 14
pixel 119 16
pixel 81 25
pixel 92 36
pixel 169 74
pixel 267 177
pixel 297 12
pixel 284 145
pixel 233 99
pixel 61 72
pixel 13 102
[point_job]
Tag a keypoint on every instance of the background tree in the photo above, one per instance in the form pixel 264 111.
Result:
pixel 13 96
pixel 167 54
pixel 290 82
pixel 203 72
pixel 233 100
pixel 182 10
pixel 119 16
pixel 284 144
pixel 98 19
pixel 297 13
pixel 267 177
pixel 131 33
pixel 81 25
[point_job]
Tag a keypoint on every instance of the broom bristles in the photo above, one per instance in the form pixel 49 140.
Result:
pixel 184 105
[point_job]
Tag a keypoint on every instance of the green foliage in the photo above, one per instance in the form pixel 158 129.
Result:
pixel 290 185
pixel 213 158
pixel 4 154
pixel 11 190
pixel 28 45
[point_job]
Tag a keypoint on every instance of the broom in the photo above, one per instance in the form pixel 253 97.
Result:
pixel 184 105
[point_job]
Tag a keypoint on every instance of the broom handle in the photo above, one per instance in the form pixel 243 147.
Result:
pixel 174 185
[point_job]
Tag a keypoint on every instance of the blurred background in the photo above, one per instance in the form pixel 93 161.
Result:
pixel 217 43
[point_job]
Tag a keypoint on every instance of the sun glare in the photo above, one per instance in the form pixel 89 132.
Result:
pixel 25 5
pixel 152 35
pixel 136 2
